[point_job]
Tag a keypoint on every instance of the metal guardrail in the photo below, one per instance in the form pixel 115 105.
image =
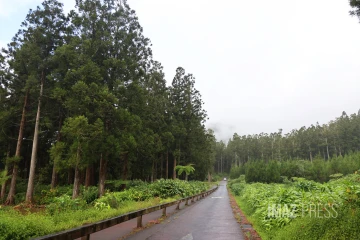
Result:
pixel 84 232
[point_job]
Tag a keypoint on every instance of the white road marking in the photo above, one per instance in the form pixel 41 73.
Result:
pixel 217 197
pixel 187 237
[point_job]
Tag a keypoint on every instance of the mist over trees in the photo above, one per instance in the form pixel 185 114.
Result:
pixel 83 101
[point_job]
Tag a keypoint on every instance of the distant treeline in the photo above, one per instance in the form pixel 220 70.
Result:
pixel 319 170
pixel 329 141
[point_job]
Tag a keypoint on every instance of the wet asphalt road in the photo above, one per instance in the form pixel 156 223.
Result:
pixel 207 219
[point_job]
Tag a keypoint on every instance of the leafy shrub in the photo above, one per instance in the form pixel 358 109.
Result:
pixel 136 183
pixel 90 194
pixel 14 226
pixel 237 188
pixel 170 188
pixel 64 203
pixel 115 185
pixel 142 191
pixel 344 194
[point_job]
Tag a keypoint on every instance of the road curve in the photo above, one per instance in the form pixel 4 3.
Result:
pixel 209 218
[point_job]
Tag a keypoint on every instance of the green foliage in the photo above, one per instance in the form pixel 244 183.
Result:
pixel 188 169
pixel 319 170
pixel 65 203
pixel 136 183
pixel 89 194
pixel 293 217
pixel 141 191
pixel 14 225
pixel 170 188
pixel 3 177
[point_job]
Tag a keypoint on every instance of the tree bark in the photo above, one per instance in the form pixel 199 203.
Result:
pixel 76 187
pixel 70 176
pixel 340 152
pixel 327 150
pixel 161 166
pixel 3 187
pixel 152 171
pixel 156 169
pixel 54 176
pixel 174 172
pixel 336 152
pixel 125 168
pixel 102 175
pixel 11 196
pixel 167 164
pixel 88 176
pixel 30 188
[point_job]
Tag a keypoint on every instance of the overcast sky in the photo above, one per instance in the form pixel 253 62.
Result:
pixel 259 65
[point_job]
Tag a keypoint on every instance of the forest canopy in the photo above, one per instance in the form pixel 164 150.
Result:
pixel 83 101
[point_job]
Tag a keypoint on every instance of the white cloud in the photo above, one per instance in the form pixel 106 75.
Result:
pixel 10 8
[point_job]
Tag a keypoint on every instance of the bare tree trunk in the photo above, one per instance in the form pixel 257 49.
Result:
pixel 30 188
pixel 340 151
pixel 3 187
pixel 102 175
pixel 92 176
pixel 88 176
pixel 54 176
pixel 336 152
pixel 125 169
pixel 11 196
pixel 186 177
pixel 209 176
pixel 174 172
pixel 161 166
pixel 311 159
pixel 156 169
pixel 167 164
pixel 221 164
pixel 327 149
pixel 76 187
pixel 70 176
pixel 152 171
pixel 82 177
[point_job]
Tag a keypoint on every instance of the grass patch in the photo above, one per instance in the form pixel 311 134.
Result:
pixel 302 209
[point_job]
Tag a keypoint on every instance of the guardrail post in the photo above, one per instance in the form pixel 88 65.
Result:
pixel 187 202
pixel 139 221
pixel 164 212
pixel 178 206
pixel 87 237
pixel 192 199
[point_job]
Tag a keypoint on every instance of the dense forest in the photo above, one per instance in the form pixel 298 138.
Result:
pixel 82 101
pixel 338 138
